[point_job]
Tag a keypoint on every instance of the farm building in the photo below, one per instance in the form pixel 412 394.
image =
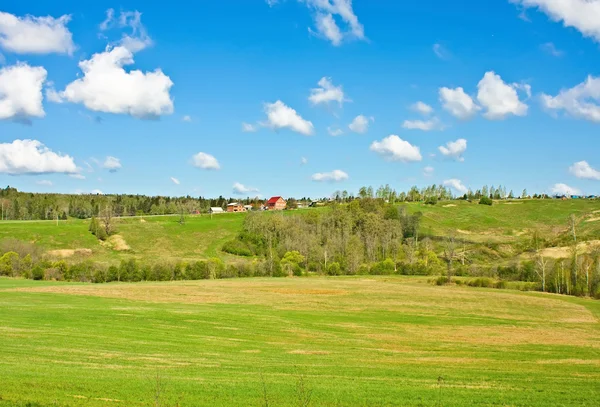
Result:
pixel 216 210
pixel 276 203
pixel 248 208
pixel 235 207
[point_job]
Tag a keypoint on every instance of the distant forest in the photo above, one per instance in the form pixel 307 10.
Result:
pixel 16 205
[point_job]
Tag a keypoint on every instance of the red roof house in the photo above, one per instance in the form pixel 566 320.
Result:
pixel 276 203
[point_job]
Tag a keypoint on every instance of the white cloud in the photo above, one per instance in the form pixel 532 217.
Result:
pixel 584 15
pixel 454 149
pixel 138 39
pixel 271 3
pixel 551 49
pixel 2 59
pixel 393 148
pixel 422 108
pixel 325 15
pixel 335 131
pixel 564 189
pixel 281 116
pixel 21 92
pixel 333 176
pixel 581 101
pixel 32 157
pixel 249 128
pixel 327 92
pixel 241 189
pixel 205 161
pixel 77 176
pixel 500 99
pixel 44 183
pixel 107 87
pixel 187 118
pixel 113 164
pixel 175 181
pixel 440 51
pixel 583 170
pixel 424 125
pixel 458 103
pixel 428 171
pixel 303 160
pixel 360 124
pixel 35 35
pixel 456 185
pixel 96 192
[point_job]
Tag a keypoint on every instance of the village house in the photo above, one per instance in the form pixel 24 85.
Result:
pixel 235 207
pixel 276 203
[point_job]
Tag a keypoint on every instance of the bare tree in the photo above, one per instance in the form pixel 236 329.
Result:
pixel 541 264
pixel 450 254
pixel 107 220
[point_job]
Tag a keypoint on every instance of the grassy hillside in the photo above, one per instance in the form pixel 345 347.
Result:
pixel 355 341
pixel 163 238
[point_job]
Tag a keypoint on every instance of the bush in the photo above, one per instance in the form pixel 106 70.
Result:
pixel 384 267
pixel 37 273
pixel 53 274
pixel 432 200
pixel 486 201
pixel 237 247
pixel 441 280
pixel 334 269
pixel 482 282
pixel 9 264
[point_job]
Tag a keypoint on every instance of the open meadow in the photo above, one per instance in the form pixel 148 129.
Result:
pixel 163 238
pixel 393 341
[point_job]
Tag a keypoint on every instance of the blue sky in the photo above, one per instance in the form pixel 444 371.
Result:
pixel 229 61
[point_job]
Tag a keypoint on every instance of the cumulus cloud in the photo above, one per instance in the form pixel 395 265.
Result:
pixel 335 131
pixel 360 124
pixel 423 108
pixel 107 87
pixel 454 149
pixel 32 157
pixel 564 189
pixel 456 185
pixel 326 93
pixel 458 103
pixel 96 192
pixel 583 170
pixel 175 181
pixel 205 161
pixel 281 116
pixel 21 92
pixel 333 176
pixel 581 101
pixel 241 189
pixel 35 35
pixel 138 39
pixel 113 164
pixel 187 118
pixel 393 148
pixel 500 99
pixel 551 49
pixel 325 14
pixel 44 182
pixel 583 15
pixel 424 125
pixel 249 128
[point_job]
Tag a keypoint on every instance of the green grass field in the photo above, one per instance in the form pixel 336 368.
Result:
pixel 354 341
pixel 163 238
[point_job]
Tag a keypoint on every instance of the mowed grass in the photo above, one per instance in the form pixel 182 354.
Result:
pixel 393 341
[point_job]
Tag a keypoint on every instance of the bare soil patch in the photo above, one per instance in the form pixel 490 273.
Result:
pixel 64 253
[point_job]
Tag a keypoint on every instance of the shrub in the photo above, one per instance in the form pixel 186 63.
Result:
pixel 384 267
pixel 432 200
pixel 334 269
pixel 37 273
pixel 486 201
pixel 9 264
pixel 482 282
pixel 237 247
pixel 53 274
pixel 441 280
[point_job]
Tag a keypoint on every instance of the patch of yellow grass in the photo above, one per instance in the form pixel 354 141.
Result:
pixel 64 253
